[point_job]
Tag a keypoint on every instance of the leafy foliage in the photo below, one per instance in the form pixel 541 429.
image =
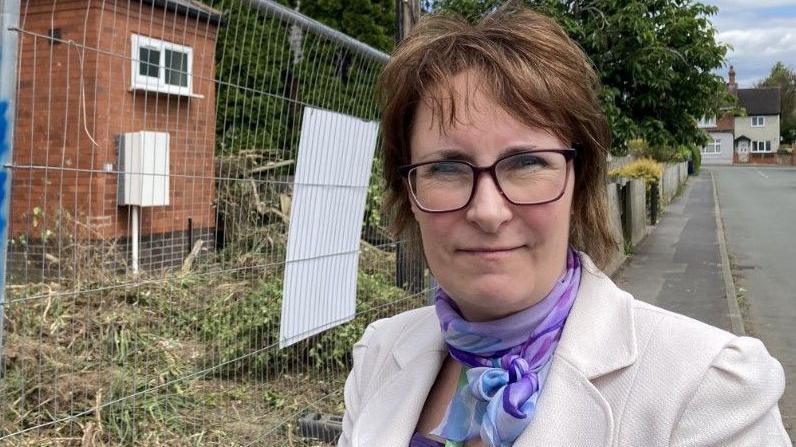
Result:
pixel 368 21
pixel 696 158
pixel 643 168
pixel 244 327
pixel 784 77
pixel 655 60
pixel 267 70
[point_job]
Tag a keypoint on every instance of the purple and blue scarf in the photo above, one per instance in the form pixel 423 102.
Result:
pixel 506 362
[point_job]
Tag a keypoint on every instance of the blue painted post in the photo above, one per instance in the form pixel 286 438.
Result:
pixel 9 41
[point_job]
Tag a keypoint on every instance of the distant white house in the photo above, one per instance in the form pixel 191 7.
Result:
pixel 753 138
pixel 719 149
pixel 757 133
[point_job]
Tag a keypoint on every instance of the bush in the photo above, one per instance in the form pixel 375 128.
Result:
pixel 244 335
pixel 637 147
pixel 683 153
pixel 696 158
pixel 662 153
pixel 644 168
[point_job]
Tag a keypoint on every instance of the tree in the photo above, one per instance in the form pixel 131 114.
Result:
pixel 369 21
pixel 784 77
pixel 654 57
pixel 263 80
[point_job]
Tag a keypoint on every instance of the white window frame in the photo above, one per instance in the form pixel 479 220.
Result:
pixel 712 148
pixel 158 84
pixel 761 121
pixel 707 122
pixel 761 147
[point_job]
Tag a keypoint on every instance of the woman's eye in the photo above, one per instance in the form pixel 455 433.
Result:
pixel 446 168
pixel 526 161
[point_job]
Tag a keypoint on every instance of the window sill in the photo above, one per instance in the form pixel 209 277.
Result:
pixel 164 91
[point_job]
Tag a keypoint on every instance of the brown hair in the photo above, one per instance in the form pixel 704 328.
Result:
pixel 534 71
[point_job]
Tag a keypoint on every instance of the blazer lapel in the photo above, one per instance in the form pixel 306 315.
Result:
pixel 598 338
pixel 570 411
pixel 390 416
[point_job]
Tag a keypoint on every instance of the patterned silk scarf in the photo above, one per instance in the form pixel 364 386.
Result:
pixel 504 363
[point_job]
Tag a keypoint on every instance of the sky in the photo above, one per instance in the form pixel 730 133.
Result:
pixel 761 33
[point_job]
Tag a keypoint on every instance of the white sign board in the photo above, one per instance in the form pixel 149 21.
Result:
pixel 332 174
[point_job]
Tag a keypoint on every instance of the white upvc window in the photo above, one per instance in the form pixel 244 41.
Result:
pixel 712 148
pixel 161 66
pixel 758 121
pixel 709 121
pixel 761 146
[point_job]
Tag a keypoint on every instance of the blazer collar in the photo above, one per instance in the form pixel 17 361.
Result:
pixel 598 338
pixel 390 415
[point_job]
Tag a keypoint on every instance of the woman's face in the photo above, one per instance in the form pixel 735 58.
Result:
pixel 493 258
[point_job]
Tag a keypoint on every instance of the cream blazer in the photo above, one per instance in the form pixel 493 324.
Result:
pixel 625 373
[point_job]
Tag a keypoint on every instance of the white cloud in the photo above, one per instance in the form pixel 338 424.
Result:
pixel 770 42
pixel 761 32
pixel 729 5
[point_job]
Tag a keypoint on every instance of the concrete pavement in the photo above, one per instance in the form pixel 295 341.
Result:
pixel 678 265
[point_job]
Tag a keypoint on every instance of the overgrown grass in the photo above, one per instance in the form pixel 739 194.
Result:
pixel 181 359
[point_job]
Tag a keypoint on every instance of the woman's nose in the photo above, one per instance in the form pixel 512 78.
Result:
pixel 488 208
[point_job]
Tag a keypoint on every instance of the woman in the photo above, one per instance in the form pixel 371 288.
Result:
pixel 495 151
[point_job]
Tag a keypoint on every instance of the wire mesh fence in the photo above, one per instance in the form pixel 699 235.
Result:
pixel 156 148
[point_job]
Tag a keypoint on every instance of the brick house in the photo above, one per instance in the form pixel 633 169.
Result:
pixel 90 72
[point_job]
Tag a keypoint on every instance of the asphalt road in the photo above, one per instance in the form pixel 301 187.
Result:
pixel 758 206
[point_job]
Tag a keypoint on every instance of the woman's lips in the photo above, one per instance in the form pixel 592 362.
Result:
pixel 490 252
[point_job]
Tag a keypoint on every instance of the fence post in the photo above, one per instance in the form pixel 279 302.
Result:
pixel 654 200
pixel 410 266
pixel 9 20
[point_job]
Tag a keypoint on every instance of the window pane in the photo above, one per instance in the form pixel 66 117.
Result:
pixel 768 146
pixel 177 68
pixel 149 62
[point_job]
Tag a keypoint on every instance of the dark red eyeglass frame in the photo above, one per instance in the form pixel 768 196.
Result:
pixel 568 153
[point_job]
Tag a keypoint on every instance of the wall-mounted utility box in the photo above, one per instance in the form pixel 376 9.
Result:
pixel 144 168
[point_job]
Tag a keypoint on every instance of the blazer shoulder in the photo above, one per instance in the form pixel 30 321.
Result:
pixel 389 330
pixel 677 329
pixel 693 350
pixel 401 336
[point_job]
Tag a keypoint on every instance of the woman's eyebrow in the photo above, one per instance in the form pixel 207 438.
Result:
pixel 448 154
pixel 456 154
pixel 516 149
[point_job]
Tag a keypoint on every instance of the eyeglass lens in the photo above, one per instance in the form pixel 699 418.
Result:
pixel 525 178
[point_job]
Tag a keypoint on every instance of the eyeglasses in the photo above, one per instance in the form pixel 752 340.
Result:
pixel 525 178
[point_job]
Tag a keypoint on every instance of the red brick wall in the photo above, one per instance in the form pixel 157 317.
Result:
pixel 766 159
pixel 50 125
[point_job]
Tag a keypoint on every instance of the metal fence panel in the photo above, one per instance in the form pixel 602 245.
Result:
pixel 183 349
